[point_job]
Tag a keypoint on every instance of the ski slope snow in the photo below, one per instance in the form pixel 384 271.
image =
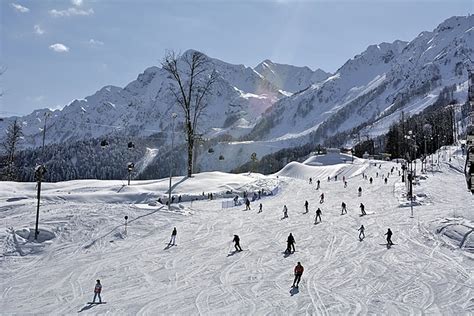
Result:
pixel 429 270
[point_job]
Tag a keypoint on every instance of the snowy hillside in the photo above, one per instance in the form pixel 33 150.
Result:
pixel 269 108
pixel 83 238
pixel 378 84
pixel 144 107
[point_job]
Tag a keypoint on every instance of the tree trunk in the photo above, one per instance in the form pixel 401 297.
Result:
pixel 190 156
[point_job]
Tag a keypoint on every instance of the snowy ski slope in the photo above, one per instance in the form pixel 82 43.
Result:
pixel 428 270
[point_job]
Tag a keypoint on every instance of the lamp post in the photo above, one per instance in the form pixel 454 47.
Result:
pixel 410 136
pixel 40 170
pixel 173 116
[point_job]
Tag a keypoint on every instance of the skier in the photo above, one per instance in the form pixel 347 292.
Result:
pixel 385 180
pixel 362 209
pixel 290 243
pixel 247 204
pixel 360 191
pixel 285 211
pixel 361 230
pixel 389 237
pixel 343 208
pixel 298 273
pixel 179 199
pixel 317 184
pixel 335 177
pixel 318 214
pixel 97 290
pixel 260 208
pixel 370 180
pixel 329 178
pixel 306 204
pixel 321 198
pixel 236 240
pixel 310 180
pixel 345 184
pixel 236 200
pixel 173 237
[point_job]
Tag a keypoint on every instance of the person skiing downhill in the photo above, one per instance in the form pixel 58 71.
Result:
pixel 97 291
pixel 306 204
pixel 362 209
pixel 260 208
pixel 298 273
pixel 285 211
pixel 290 243
pixel 236 240
pixel 173 236
pixel 321 198
pixel 389 237
pixel 318 214
pixel 360 191
pixel 361 232
pixel 343 208
pixel 318 184
pixel 247 204
pixel 310 180
pixel 370 180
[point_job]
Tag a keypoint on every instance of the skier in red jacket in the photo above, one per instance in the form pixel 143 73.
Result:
pixel 298 273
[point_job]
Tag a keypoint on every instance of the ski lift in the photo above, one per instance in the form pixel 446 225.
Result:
pixel 210 150
pixel 221 157
pixel 131 145
pixel 104 143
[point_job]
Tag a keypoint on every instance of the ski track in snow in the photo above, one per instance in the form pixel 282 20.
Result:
pixel 343 275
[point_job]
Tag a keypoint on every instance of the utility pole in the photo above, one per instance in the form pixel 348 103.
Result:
pixel 173 116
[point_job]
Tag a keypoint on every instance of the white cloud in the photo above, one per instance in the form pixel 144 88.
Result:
pixel 59 48
pixel 38 29
pixel 20 8
pixel 77 3
pixel 70 12
pixel 94 42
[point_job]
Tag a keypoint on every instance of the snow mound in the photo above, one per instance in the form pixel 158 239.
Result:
pixel 22 242
pixel 457 232
pixel 329 159
pixel 322 167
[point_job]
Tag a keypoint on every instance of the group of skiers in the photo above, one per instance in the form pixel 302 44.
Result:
pixel 290 248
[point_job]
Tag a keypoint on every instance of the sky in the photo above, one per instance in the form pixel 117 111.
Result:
pixel 52 52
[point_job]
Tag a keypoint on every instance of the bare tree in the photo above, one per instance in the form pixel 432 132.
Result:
pixel 13 135
pixel 193 85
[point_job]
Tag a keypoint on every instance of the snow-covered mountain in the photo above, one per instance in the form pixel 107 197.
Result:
pixel 144 107
pixel 376 85
pixel 275 106
pixel 290 78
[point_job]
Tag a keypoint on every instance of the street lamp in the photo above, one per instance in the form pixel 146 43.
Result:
pixel 173 116
pixel 40 170
pixel 410 175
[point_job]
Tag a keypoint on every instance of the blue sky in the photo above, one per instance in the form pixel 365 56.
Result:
pixel 56 51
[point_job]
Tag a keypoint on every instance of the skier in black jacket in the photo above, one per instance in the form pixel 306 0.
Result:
pixel 236 240
pixel 290 243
